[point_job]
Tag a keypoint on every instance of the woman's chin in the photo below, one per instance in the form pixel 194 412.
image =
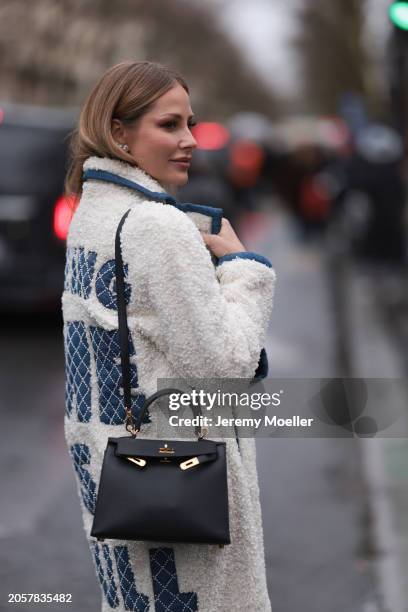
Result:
pixel 179 179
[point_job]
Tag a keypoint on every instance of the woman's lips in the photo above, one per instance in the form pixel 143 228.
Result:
pixel 182 164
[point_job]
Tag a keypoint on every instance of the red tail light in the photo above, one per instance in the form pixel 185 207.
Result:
pixel 63 212
pixel 210 136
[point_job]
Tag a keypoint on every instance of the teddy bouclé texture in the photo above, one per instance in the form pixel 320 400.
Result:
pixel 188 317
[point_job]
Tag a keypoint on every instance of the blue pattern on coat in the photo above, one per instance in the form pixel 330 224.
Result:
pixel 77 371
pixel 167 597
pixel 81 456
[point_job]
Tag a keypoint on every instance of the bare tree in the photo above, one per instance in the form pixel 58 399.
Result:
pixel 52 51
pixel 331 52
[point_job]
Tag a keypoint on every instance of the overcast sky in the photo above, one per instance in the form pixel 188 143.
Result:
pixel 265 28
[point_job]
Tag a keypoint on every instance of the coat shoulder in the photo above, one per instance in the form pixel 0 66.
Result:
pixel 153 217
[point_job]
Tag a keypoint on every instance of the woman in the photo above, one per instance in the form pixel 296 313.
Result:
pixel 198 306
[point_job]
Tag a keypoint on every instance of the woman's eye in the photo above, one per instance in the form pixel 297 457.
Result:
pixel 173 124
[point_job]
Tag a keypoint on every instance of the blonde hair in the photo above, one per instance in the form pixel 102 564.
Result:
pixel 126 92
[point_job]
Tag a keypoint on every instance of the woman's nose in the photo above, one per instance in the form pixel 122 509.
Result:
pixel 189 141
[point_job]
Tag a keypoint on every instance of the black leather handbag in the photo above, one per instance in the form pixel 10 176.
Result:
pixel 158 490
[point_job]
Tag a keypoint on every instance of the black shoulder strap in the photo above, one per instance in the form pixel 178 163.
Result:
pixel 124 336
pixel 122 318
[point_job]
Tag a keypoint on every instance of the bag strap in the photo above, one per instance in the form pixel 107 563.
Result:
pixel 132 426
pixel 122 322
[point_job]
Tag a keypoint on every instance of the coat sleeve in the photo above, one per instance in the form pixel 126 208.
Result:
pixel 210 322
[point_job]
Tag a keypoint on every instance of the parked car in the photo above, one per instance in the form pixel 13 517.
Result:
pixel 33 154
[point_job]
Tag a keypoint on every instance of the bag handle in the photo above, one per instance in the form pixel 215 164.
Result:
pixel 132 426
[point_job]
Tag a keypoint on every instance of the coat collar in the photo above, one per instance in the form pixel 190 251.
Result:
pixel 125 170
pixel 133 177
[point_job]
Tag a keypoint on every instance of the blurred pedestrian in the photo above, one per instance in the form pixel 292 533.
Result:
pixel 371 196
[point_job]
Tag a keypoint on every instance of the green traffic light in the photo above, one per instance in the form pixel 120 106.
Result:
pixel 399 14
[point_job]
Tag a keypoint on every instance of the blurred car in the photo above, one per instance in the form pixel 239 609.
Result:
pixel 33 212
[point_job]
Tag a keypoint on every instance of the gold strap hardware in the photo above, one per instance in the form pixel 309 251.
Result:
pixel 189 463
pixel 139 462
pixel 130 424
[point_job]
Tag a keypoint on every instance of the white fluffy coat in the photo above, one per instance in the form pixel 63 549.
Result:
pixel 187 317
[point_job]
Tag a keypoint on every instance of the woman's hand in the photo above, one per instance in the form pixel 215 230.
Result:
pixel 225 242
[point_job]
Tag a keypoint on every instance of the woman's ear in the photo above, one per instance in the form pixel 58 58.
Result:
pixel 118 131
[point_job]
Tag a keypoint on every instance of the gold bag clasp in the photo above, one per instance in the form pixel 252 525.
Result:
pixel 137 461
pixel 166 449
pixel 189 463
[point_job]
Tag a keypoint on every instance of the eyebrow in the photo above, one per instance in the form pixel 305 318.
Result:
pixel 176 115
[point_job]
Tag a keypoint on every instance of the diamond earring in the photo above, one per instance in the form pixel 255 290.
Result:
pixel 124 147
